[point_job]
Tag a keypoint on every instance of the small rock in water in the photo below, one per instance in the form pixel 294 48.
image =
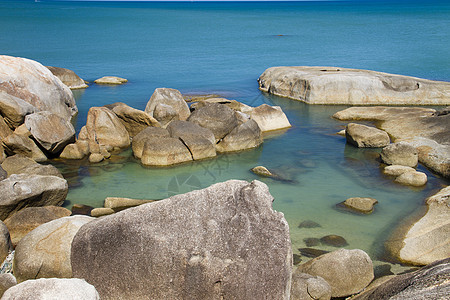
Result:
pixel 361 204
pixel 311 242
pixel 297 259
pixel 81 209
pixel 262 171
pixel 311 252
pixel 110 80
pixel 334 240
pixel 309 224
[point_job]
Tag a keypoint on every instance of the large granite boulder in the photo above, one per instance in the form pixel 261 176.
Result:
pixel 428 238
pixel 18 164
pixel 242 137
pixel 45 251
pixel 430 282
pixel 52 288
pixel 14 109
pixel 68 77
pixel 33 83
pixel 347 271
pixel 139 140
pixel 363 136
pixel 22 190
pixel 5 242
pixel 164 151
pixel 269 117
pixel 23 145
pixel 308 287
pixel 51 131
pixel 166 105
pixel 330 85
pixel 223 241
pixel 27 219
pixel 106 130
pixel 401 153
pixel 219 118
pixel 134 120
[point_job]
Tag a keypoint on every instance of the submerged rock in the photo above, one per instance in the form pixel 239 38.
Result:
pixel 334 240
pixel 308 224
pixel 311 242
pixel 68 77
pixel 364 136
pixel 205 244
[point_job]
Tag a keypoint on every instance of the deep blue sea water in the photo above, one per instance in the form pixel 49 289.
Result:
pixel 222 48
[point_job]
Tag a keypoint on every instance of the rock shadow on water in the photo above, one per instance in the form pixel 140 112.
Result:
pixel 312 252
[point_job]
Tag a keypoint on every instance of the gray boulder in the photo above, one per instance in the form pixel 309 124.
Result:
pixel 33 83
pixel 245 136
pixel 412 178
pixel 5 242
pixel 51 131
pixel 52 289
pixel 23 145
pixel 363 136
pixel 68 77
pixel 166 105
pixel 401 153
pixel 3 173
pixel 45 251
pixel 223 241
pixel 430 282
pixel 14 109
pixel 18 164
pixel 396 170
pixel 139 140
pixel 164 151
pixel 219 118
pixel 22 190
pixel 347 271
pixel 269 117
pixel 7 280
pixel 308 287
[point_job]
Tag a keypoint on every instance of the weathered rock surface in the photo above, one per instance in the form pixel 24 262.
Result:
pixel 18 164
pixel 164 151
pixel 14 109
pixel 51 131
pixel 23 145
pixel 413 178
pixel 106 130
pixel 430 282
pixel 308 287
pixel 68 77
pixel 22 190
pixel 119 203
pixel 261 171
pixel 133 119
pixel 361 204
pixel 396 170
pixel 168 100
pixel 102 211
pixel 205 244
pixel 242 137
pixel 364 136
pixel 233 104
pixel 3 173
pixel 45 251
pixel 78 150
pixel 5 242
pixel 401 153
pixel 27 219
pixel 269 117
pixel 7 280
pixel 4 129
pixel 346 271
pixel 219 118
pixel 33 83
pixel 148 133
pixel 52 288
pixel 428 239
pixel 330 85
pixel 110 80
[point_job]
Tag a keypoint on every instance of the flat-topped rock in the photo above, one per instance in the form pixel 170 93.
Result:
pixel 364 136
pixel 361 204
pixel 68 77
pixel 111 80
pixel 18 164
pixel 401 153
pixel 396 170
pixel 269 117
pixel 331 85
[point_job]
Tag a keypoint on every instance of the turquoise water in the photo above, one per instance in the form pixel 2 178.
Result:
pixel 222 48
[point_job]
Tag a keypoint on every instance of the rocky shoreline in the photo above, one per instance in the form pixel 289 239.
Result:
pixel 224 241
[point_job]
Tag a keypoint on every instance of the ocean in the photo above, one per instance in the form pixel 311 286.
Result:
pixel 222 48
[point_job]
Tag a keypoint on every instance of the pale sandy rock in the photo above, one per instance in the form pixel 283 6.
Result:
pixel 341 133
pixel 164 151
pixel 22 130
pixel 133 119
pixel 121 203
pixel 225 240
pixel 22 190
pixel 165 114
pixel 269 117
pixel 68 77
pixel 173 100
pixel 52 289
pixel 261 171
pixel 110 80
pixel 139 140
pixel 102 211
pixel 74 151
pixel 45 251
pixel 381 113
pixel 331 85
pixel 346 271
pixel 241 117
pixel 19 144
pixel 364 136
pixel 395 170
pixel 428 239
pixel 35 84
pixel 401 153
pixel 51 131
pixel 96 158
pixel 18 164
pixel 412 178
pixel 308 287
pixel 7 280
pixel 361 204
pixel 14 109
pixel 245 136
pixel 27 219
pixel 5 242
pixel 199 147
